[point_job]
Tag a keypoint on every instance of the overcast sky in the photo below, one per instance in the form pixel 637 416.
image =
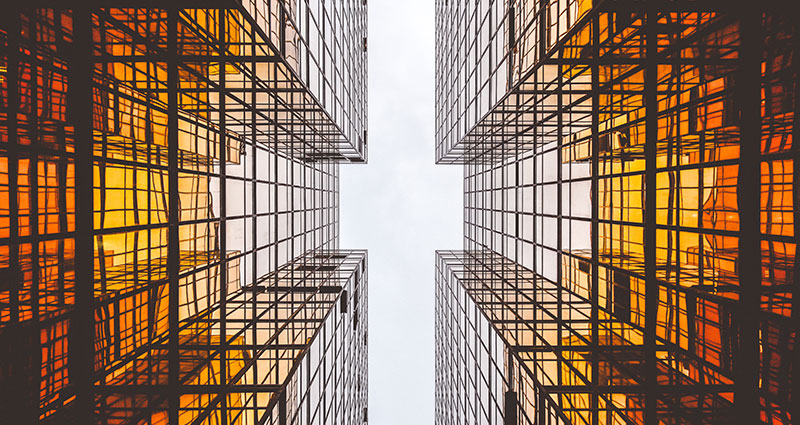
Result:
pixel 401 207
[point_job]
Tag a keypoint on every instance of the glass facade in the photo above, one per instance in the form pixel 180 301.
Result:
pixel 630 227
pixel 169 213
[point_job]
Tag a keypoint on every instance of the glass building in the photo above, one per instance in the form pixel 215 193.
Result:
pixel 630 227
pixel 169 213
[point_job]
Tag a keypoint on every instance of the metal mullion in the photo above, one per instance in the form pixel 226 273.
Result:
pixel 222 235
pixel 11 22
pixel 173 247
pixel 560 181
pixel 12 74
pixel 80 105
pixel 254 217
pixel 33 174
pixel 794 410
pixel 748 93
pixel 649 218
pixel 595 145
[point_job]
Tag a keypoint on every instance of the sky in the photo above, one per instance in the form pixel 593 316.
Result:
pixel 402 207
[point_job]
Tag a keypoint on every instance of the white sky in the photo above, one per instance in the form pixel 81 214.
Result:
pixel 401 207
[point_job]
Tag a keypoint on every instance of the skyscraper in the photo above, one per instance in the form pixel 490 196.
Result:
pixel 169 215
pixel 630 222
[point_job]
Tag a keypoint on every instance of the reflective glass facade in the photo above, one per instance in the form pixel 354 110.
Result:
pixel 169 213
pixel 630 223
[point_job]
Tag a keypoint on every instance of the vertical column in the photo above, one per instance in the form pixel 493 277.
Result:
pixel 254 245
pixel 80 107
pixel 747 96
pixel 794 410
pixel 13 330
pixel 649 219
pixel 173 244
pixel 595 143
pixel 222 234
pixel 273 103
pixel 559 242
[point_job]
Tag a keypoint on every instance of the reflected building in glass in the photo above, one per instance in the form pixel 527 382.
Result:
pixel 630 234
pixel 169 213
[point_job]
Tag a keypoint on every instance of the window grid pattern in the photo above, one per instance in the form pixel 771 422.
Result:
pixel 211 171
pixel 324 44
pixel 666 237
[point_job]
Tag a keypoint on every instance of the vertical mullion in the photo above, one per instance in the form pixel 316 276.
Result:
pixel 650 238
pixel 33 182
pixel 17 361
pixel 559 242
pixel 748 94
pixel 794 410
pixel 173 244
pixel 254 245
pixel 80 102
pixel 222 235
pixel 13 30
pixel 595 144
pixel 275 177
